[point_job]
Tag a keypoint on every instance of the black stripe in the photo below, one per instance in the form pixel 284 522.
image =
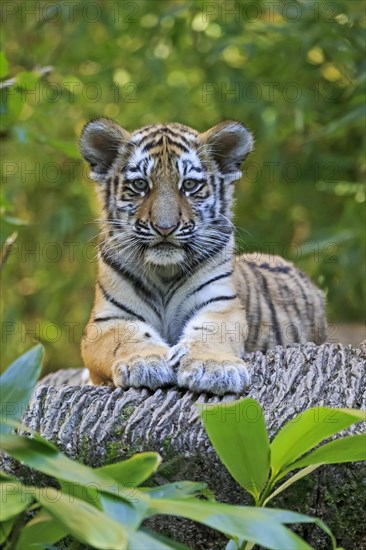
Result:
pixel 126 309
pixel 244 274
pixel 177 144
pixel 114 318
pixel 148 142
pixel 151 135
pixel 141 290
pixel 282 289
pixel 199 258
pixel 300 278
pixel 294 326
pixel 132 169
pixel 253 321
pixel 204 304
pixel 193 268
pixel 156 131
pixel 218 277
pixel 108 192
pixel 152 144
pixel 274 269
pixel 222 276
pixel 222 196
pixel 180 136
pixel 267 297
pixel 115 185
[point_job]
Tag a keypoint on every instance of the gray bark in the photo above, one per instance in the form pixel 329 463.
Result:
pixel 99 425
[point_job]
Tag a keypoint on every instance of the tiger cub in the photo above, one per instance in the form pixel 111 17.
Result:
pixel 173 304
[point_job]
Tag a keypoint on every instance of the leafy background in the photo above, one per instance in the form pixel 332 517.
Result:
pixel 293 72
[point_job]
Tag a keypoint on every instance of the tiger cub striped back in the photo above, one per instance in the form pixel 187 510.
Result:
pixel 282 304
pixel 173 304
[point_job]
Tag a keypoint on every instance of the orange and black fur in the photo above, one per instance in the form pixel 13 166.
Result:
pixel 174 305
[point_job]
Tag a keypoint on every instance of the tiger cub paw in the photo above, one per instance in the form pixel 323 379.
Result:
pixel 218 375
pixel 150 371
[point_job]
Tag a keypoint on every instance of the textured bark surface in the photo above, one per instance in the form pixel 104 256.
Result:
pixel 99 425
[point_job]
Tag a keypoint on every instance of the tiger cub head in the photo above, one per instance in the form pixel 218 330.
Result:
pixel 166 189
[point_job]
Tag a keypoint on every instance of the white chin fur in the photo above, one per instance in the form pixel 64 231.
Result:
pixel 164 257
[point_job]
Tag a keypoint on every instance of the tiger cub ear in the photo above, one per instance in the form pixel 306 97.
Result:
pixel 100 142
pixel 228 143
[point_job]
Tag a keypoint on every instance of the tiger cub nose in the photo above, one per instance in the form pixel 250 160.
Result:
pixel 165 231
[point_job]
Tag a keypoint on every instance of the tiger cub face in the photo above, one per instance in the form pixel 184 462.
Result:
pixel 166 189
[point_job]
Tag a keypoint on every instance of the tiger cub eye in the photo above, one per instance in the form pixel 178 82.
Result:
pixel 190 185
pixel 140 185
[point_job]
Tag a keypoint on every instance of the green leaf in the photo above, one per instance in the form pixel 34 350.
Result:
pixel 42 530
pixel 180 489
pixel 14 498
pixel 5 528
pixel 291 480
pixel 85 522
pixel 307 430
pixel 89 492
pixel 119 510
pixel 4 475
pixel 347 449
pixel 27 79
pixel 254 524
pixel 20 426
pixel 144 540
pixel 4 66
pixel 18 382
pixel 233 544
pixel 238 433
pixel 42 456
pixel 133 471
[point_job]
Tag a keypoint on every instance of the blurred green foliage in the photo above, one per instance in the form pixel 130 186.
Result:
pixel 293 72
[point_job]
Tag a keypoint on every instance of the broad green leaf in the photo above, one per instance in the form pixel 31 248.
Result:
pixel 27 79
pixel 5 528
pixel 85 522
pixel 89 492
pixel 133 471
pixel 291 480
pixel 5 476
pixel 257 525
pixel 119 510
pixel 18 382
pixel 233 544
pixel 286 516
pixel 42 530
pixel 180 489
pixel 238 433
pixel 307 430
pixel 144 540
pixel 4 67
pixel 14 498
pixel 50 461
pixel 20 426
pixel 347 449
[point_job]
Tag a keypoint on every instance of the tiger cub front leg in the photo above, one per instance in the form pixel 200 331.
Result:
pixel 208 357
pixel 127 354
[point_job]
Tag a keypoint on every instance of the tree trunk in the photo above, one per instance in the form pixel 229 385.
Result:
pixel 99 425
